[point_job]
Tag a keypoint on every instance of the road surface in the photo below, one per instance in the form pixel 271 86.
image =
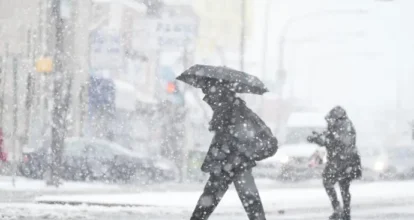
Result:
pixel 379 201
pixel 42 212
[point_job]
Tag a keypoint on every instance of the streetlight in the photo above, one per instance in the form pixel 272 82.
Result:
pixel 281 72
pixel 242 32
pixel 265 35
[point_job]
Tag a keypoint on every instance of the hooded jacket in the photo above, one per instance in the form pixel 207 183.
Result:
pixel 240 139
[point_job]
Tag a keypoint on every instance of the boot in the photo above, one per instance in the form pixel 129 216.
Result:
pixel 337 215
pixel 346 216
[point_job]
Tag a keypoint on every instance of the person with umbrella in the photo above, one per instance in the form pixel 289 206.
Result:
pixel 241 138
pixel 343 160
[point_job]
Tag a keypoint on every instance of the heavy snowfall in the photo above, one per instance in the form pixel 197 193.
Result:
pixel 206 109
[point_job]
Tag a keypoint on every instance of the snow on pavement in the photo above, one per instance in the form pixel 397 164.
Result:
pixel 385 193
pixel 25 190
pixel 82 212
pixel 23 184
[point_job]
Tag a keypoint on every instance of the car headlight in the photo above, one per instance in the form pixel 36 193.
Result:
pixel 162 165
pixel 379 166
pixel 284 159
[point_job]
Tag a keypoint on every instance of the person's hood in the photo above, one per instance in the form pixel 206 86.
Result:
pixel 223 110
pixel 218 96
pixel 335 114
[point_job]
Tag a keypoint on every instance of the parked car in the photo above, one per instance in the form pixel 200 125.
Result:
pixel 297 163
pixel 373 160
pixel 91 159
pixel 3 153
pixel 292 163
pixel 5 167
pixel 390 163
pixel 269 167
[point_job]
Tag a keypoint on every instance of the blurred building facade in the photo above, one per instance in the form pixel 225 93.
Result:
pixel 17 49
pixel 27 35
pixel 220 30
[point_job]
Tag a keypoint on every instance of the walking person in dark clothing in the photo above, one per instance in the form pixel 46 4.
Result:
pixel 344 163
pixel 241 138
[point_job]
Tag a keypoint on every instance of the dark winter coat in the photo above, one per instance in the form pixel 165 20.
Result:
pixel 240 139
pixel 340 142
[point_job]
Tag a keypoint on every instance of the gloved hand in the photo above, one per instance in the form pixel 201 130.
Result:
pixel 311 138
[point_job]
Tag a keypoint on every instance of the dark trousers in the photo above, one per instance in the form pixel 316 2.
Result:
pixel 329 181
pixel 217 186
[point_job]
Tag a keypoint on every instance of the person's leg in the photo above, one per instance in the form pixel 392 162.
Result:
pixel 214 190
pixel 249 195
pixel 329 181
pixel 346 198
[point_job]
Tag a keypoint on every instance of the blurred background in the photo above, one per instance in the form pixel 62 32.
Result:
pixel 88 86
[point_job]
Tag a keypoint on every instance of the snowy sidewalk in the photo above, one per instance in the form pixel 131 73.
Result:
pixel 28 185
pixel 364 194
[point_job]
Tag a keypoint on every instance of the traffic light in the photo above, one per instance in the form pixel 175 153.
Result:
pixel 171 87
pixel 174 95
pixel 168 86
pixel 44 65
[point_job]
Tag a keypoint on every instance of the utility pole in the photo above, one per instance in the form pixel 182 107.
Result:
pixel 15 122
pixel 265 36
pixel 242 32
pixel 188 143
pixel 59 109
pixel 265 44
pixel 30 84
pixel 2 83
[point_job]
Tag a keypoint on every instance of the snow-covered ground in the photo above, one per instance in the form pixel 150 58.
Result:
pixel 24 184
pixel 65 212
pixel 376 200
pixel 367 194
pixel 25 190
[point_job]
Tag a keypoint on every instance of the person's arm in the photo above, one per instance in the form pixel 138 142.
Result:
pixel 323 140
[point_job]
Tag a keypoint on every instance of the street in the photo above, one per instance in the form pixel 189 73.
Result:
pixel 374 200
pixel 122 109
pixel 36 211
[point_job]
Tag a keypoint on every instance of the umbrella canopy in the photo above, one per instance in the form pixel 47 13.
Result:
pixel 200 76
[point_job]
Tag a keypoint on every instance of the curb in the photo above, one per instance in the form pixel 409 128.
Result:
pixel 300 210
pixel 92 204
pixel 392 203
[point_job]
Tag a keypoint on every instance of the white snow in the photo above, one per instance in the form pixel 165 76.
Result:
pixel 23 184
pixel 307 119
pixel 287 198
pixel 40 211
pixel 125 95
pixel 12 211
pixel 297 150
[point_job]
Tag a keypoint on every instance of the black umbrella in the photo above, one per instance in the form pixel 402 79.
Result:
pixel 240 82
